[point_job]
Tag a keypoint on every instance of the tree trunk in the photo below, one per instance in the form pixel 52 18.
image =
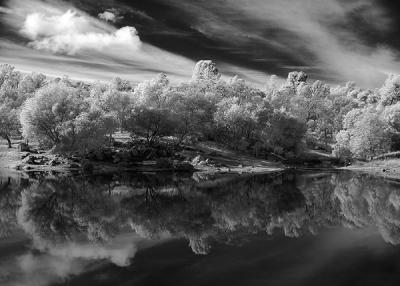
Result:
pixel 8 141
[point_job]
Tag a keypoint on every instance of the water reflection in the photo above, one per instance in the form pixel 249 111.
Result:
pixel 70 221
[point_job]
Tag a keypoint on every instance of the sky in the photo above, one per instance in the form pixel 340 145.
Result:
pixel 331 40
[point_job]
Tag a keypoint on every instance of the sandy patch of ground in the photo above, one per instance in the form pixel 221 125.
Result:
pixel 9 157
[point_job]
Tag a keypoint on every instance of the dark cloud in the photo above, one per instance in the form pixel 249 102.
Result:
pixel 227 31
pixel 334 40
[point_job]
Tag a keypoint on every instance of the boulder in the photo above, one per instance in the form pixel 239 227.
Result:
pixel 29 160
pixel 164 163
pixel 24 155
pixel 197 160
pixel 27 168
pixel 99 155
pixel 108 154
pixel 184 167
pixel 23 147
pixel 134 153
pixel 87 167
pixel 125 156
pixel 74 166
pixel 54 162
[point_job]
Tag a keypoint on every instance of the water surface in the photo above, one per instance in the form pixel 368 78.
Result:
pixel 151 229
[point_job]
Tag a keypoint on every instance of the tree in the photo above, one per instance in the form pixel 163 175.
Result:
pixel 391 114
pixel 113 102
pixel 151 116
pixel 241 121
pixel 192 112
pixel 365 134
pixel 341 148
pixel 92 127
pixel 121 84
pixel 296 78
pixel 205 70
pixel 9 123
pixel 10 101
pixel 49 116
pixel 370 136
pixel 285 134
pixel 9 81
pixel 30 83
pixel 390 91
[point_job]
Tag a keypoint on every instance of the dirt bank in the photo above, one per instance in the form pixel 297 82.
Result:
pixel 203 159
pixel 389 169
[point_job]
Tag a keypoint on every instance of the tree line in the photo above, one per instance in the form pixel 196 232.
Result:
pixel 66 115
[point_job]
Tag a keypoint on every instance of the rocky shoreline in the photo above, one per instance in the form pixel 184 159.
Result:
pixel 140 159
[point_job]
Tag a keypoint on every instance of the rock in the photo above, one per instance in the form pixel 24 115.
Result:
pixel 74 159
pixel 134 153
pixel 26 168
pixel 91 156
pixel 108 154
pixel 23 147
pixel 164 163
pixel 116 160
pixel 184 167
pixel 87 167
pixel 74 166
pixel 54 162
pixel 99 155
pixel 125 164
pixel 24 155
pixel 125 156
pixel 196 160
pixel 29 160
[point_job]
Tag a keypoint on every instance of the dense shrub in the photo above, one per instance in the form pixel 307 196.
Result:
pixel 73 115
pixel 58 117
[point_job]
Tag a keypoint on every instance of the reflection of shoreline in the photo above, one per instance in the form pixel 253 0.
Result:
pixel 59 211
pixel 185 208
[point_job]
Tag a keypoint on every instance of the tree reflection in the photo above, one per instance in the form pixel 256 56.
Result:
pixel 10 201
pixel 367 200
pixel 96 209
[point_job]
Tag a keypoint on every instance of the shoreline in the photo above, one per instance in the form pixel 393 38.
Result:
pixel 375 171
pixel 11 162
pixel 208 162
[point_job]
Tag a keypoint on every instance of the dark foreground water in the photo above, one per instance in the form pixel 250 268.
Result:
pixel 125 229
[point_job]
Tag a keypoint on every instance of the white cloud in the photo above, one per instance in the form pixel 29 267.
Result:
pixel 70 32
pixel 39 25
pixel 65 40
pixel 70 43
pixel 110 16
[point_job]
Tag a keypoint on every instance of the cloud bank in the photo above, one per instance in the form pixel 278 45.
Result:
pixel 69 33
pixel 64 40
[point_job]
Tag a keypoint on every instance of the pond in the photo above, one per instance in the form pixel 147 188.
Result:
pixel 290 228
